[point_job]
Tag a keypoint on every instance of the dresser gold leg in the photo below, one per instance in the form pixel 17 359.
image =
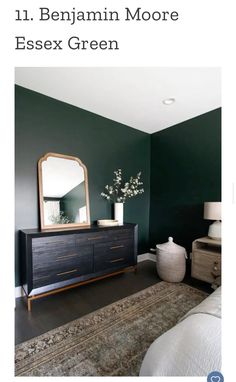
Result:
pixel 29 304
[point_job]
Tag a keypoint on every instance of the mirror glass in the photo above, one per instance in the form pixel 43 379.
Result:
pixel 63 188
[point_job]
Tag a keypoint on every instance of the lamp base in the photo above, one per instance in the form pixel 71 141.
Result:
pixel 215 230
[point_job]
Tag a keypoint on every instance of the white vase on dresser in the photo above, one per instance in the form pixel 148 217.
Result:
pixel 119 212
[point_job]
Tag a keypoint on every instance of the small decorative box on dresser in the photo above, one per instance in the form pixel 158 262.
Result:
pixel 53 261
pixel 206 259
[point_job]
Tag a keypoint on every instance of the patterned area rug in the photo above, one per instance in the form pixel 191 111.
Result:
pixel 111 341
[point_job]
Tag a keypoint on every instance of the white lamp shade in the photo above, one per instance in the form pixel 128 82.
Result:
pixel 212 210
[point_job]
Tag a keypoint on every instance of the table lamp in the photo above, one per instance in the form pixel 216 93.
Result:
pixel 212 211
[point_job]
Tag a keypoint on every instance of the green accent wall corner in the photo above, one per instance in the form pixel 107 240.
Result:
pixel 185 172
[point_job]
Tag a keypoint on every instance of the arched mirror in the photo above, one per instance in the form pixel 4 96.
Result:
pixel 63 192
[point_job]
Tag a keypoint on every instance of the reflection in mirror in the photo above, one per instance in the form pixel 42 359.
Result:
pixel 63 191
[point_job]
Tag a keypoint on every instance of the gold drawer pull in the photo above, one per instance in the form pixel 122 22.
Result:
pixel 65 273
pixel 59 258
pixel 117 246
pixel 114 261
pixel 95 238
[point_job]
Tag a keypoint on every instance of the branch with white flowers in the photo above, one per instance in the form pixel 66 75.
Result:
pixel 121 191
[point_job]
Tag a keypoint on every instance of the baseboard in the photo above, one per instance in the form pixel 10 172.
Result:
pixel 19 292
pixel 146 256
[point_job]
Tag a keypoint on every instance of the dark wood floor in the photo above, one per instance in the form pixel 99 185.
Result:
pixel 50 312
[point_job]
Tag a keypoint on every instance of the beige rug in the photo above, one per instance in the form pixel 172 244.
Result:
pixel 111 341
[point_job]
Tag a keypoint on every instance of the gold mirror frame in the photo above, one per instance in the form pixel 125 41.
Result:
pixel 40 185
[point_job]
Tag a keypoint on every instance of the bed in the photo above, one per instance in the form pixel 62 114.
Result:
pixel 192 347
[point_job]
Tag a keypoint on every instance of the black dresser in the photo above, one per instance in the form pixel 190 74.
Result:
pixel 53 261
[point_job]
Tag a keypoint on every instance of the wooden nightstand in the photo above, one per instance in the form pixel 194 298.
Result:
pixel 206 260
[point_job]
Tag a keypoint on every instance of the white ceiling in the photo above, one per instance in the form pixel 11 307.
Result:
pixel 132 96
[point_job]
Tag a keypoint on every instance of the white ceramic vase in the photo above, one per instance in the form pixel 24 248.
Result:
pixel 119 213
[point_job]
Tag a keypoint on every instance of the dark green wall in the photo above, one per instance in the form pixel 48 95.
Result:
pixel 46 125
pixel 73 201
pixel 185 172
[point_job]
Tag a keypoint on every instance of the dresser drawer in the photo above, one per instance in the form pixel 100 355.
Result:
pixel 114 254
pixel 53 241
pixel 59 258
pixel 49 248
pixel 92 238
pixel 204 264
pixel 50 255
pixel 121 234
pixel 63 267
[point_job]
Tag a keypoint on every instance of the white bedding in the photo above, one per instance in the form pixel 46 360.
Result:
pixel 192 347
